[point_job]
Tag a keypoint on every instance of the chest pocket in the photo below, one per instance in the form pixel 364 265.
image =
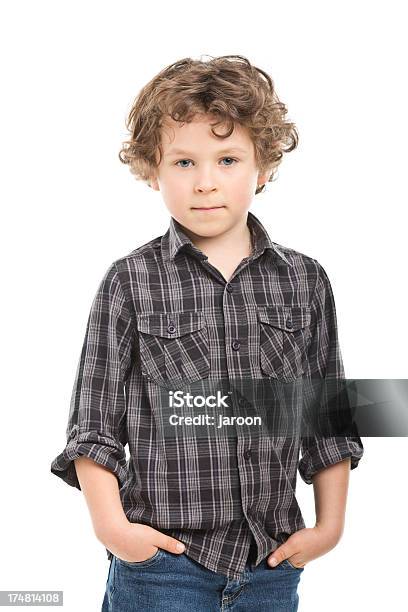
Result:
pixel 174 347
pixel 284 336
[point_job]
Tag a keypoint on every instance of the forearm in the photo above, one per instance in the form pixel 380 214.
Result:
pixel 330 491
pixel 100 488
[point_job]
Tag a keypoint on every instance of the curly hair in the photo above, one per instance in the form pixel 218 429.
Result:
pixel 228 88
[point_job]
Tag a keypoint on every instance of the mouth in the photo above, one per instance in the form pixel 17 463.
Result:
pixel 207 207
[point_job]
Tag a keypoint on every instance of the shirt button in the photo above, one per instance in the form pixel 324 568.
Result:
pixel 235 345
pixel 230 289
pixel 289 324
pixel 247 454
pixel 171 329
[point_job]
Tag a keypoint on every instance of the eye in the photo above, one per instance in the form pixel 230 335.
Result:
pixel 182 160
pixel 231 158
pixel 188 160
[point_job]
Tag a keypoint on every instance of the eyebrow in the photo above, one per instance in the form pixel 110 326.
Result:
pixel 228 150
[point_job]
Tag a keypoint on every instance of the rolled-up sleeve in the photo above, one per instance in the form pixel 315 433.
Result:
pixel 97 417
pixel 324 363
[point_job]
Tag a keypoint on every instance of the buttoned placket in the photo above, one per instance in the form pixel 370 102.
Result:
pixel 232 345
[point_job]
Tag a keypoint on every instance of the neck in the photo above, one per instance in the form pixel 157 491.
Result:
pixel 236 241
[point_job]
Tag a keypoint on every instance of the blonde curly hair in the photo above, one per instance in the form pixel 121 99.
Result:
pixel 229 88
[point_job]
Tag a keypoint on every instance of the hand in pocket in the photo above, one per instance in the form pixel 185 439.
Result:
pixel 136 543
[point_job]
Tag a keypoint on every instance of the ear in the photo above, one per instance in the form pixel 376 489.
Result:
pixel 264 176
pixel 154 183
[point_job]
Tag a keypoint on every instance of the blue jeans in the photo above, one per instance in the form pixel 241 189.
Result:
pixel 168 582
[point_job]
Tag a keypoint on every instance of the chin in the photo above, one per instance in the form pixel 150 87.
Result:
pixel 204 232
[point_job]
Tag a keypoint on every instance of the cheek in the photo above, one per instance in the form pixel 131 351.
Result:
pixel 172 188
pixel 242 187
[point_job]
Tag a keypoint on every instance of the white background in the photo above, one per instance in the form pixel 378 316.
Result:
pixel 70 71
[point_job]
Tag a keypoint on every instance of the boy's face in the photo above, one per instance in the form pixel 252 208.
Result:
pixel 199 171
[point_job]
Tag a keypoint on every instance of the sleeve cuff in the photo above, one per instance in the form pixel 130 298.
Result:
pixel 323 452
pixel 102 448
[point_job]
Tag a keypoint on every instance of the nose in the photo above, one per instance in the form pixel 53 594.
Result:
pixel 205 181
pixel 205 188
pixel 205 185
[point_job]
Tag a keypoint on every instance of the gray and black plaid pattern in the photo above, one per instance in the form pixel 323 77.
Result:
pixel 163 318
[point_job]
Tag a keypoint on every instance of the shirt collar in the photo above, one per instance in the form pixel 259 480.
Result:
pixel 175 240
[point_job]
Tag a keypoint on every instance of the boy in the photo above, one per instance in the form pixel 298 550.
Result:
pixel 213 299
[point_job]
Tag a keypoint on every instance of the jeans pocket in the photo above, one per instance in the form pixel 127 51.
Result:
pixel 292 566
pixel 146 563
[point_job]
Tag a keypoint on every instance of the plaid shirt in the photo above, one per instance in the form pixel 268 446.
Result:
pixel 163 318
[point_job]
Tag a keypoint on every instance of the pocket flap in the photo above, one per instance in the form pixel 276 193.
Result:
pixel 288 318
pixel 170 324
